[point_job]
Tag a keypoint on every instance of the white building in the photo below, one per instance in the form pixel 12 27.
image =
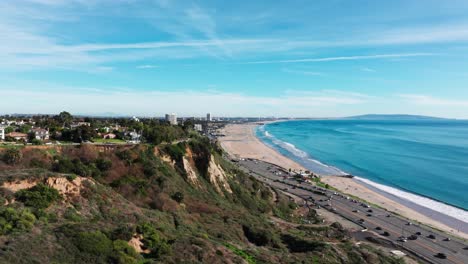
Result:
pixel 198 127
pixel 208 117
pixel 40 133
pixel 2 133
pixel 171 118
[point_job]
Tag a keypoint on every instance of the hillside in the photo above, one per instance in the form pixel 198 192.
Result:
pixel 171 203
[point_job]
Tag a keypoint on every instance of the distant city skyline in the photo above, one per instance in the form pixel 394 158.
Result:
pixel 262 58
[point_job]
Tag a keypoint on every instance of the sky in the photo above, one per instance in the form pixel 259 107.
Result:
pixel 290 58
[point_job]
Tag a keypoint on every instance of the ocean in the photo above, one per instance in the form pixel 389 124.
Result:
pixel 423 161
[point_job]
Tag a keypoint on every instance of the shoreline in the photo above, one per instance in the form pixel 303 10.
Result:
pixel 241 142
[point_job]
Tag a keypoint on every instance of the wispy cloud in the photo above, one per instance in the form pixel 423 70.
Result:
pixel 189 101
pixel 146 66
pixel 365 69
pixel 433 101
pixel 345 58
pixel 302 72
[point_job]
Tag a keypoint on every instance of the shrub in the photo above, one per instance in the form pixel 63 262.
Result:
pixel 12 156
pixel 124 253
pixel 40 196
pixel 259 236
pixel 153 241
pixel 94 243
pixel 12 220
pixel 178 197
pixel 103 164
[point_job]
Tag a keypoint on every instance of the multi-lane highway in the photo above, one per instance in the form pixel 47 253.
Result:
pixel 427 244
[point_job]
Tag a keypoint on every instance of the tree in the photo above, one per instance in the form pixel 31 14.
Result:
pixel 9 130
pixel 64 118
pixel 12 156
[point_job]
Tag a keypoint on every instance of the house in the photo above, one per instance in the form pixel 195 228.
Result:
pixel 134 137
pixel 78 124
pixel 2 133
pixel 40 133
pixel 109 136
pixel 18 136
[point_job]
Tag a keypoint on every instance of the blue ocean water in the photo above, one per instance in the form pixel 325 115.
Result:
pixel 424 157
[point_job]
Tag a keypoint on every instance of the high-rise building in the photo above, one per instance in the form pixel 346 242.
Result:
pixel 171 118
pixel 208 117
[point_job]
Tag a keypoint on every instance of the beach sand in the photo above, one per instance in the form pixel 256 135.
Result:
pixel 240 142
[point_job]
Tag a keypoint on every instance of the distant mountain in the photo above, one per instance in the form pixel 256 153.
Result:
pixel 394 117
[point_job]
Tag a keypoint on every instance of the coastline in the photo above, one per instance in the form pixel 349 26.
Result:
pixel 241 142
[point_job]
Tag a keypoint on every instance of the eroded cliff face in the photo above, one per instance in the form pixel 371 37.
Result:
pixel 215 173
pixel 218 177
pixel 190 169
pixel 68 189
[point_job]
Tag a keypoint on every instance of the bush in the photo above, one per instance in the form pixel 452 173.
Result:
pixel 124 253
pixel 40 196
pixel 103 164
pixel 94 243
pixel 153 241
pixel 259 236
pixel 12 220
pixel 178 197
pixel 12 156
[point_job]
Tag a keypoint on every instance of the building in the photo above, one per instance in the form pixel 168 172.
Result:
pixel 109 136
pixel 171 118
pixel 134 137
pixel 40 133
pixel 17 136
pixel 78 124
pixel 198 127
pixel 208 117
pixel 2 133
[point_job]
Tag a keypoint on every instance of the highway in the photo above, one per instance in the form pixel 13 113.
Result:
pixel 423 242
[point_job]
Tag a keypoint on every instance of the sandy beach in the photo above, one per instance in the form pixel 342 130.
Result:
pixel 241 142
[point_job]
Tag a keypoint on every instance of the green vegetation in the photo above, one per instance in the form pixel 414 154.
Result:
pixel 241 253
pixel 40 196
pixel 15 220
pixel 12 156
pixel 108 140
pixel 132 194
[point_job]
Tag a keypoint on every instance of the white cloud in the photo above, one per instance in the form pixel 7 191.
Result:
pixel 433 101
pixel 365 69
pixel 302 72
pixel 184 102
pixel 346 58
pixel 147 66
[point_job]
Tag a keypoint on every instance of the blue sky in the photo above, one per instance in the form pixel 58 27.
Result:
pixel 235 58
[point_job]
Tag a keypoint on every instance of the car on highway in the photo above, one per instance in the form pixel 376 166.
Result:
pixel 369 215
pixel 386 234
pixel 370 211
pixel 418 233
pixel 431 236
pixel 378 228
pixel 355 211
pixel 409 223
pixel 440 255
pixel 402 239
pixel 447 239
pixel 361 221
pixel 413 237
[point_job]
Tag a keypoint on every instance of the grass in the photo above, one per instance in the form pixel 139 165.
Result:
pixel 241 253
pixel 109 140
